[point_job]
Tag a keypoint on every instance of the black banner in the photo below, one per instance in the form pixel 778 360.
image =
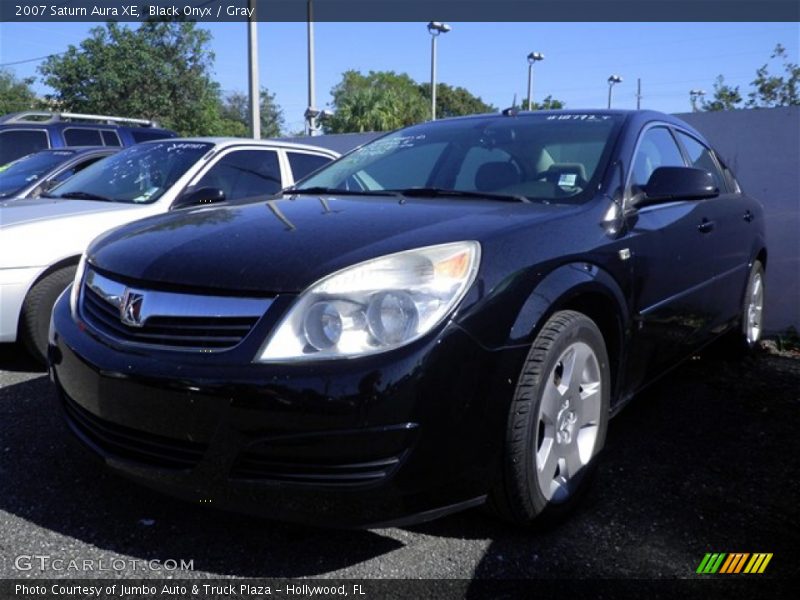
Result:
pixel 402 10
pixel 730 587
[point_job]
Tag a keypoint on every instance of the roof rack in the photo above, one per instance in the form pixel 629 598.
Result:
pixel 30 116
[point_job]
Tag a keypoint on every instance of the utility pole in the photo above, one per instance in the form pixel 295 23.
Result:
pixel 311 112
pixel 252 70
pixel 639 93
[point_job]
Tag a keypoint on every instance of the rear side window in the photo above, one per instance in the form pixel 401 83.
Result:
pixel 245 174
pixel 303 164
pixel 110 138
pixel 657 148
pixel 15 143
pixel 74 136
pixel 700 158
pixel 144 135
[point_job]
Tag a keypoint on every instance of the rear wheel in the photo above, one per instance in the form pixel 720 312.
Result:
pixel 740 342
pixel 753 310
pixel 557 422
pixel 35 319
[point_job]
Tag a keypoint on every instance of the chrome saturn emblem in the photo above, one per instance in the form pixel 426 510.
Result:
pixel 130 310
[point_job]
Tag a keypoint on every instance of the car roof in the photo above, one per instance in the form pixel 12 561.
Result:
pixel 77 150
pixel 39 118
pixel 77 125
pixel 632 117
pixel 224 142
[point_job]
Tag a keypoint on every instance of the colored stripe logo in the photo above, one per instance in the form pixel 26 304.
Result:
pixel 735 562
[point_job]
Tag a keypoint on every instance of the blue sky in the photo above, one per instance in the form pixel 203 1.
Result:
pixel 486 58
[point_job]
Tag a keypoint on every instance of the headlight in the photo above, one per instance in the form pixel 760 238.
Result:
pixel 376 305
pixel 75 292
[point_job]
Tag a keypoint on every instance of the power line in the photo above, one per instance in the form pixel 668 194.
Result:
pixel 30 60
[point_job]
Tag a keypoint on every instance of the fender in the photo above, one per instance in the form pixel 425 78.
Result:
pixel 523 303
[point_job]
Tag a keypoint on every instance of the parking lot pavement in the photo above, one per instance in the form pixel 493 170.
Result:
pixel 704 461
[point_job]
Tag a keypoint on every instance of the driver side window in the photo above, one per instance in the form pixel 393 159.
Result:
pixel 657 148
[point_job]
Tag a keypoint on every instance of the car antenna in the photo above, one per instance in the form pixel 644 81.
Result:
pixel 512 111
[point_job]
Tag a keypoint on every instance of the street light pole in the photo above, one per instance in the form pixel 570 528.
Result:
pixel 435 29
pixel 532 58
pixel 611 81
pixel 693 96
pixel 252 64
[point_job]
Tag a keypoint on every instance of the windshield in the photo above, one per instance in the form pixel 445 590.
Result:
pixel 546 157
pixel 28 169
pixel 139 174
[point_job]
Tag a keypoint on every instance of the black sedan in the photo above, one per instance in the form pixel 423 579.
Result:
pixel 445 317
pixel 35 174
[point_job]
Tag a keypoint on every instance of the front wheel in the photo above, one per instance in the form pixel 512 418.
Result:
pixel 557 422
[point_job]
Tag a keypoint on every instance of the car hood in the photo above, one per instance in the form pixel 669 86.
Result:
pixel 21 212
pixel 285 245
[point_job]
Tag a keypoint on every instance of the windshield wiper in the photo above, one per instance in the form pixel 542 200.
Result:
pixel 84 196
pixel 434 192
pixel 338 192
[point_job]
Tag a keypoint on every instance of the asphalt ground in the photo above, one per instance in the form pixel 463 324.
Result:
pixel 706 460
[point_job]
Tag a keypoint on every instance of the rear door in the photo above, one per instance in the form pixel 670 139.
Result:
pixel 731 236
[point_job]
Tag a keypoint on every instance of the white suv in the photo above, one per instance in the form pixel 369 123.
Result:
pixel 41 240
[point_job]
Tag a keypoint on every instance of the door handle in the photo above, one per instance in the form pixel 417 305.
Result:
pixel 748 216
pixel 705 226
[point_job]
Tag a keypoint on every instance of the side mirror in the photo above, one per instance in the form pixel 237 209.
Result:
pixel 668 184
pixel 198 197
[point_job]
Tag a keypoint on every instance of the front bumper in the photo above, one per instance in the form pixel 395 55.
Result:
pixel 391 438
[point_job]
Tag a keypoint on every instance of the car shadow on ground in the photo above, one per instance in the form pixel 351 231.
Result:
pixel 49 481
pixel 14 358
pixel 703 461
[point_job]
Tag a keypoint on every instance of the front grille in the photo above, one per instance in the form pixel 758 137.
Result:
pixel 251 465
pixel 185 332
pixel 169 320
pixel 130 444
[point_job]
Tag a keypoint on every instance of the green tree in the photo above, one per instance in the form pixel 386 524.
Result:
pixel 725 97
pixel 15 94
pixel 161 70
pixel 776 90
pixel 379 101
pixel 454 101
pixel 549 103
pixel 235 109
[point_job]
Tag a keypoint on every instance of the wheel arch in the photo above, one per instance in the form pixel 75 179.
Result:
pixel 585 288
pixel 761 256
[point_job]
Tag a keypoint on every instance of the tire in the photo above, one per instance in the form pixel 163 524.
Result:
pixel 549 457
pixel 752 325
pixel 36 309
pixel 742 340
